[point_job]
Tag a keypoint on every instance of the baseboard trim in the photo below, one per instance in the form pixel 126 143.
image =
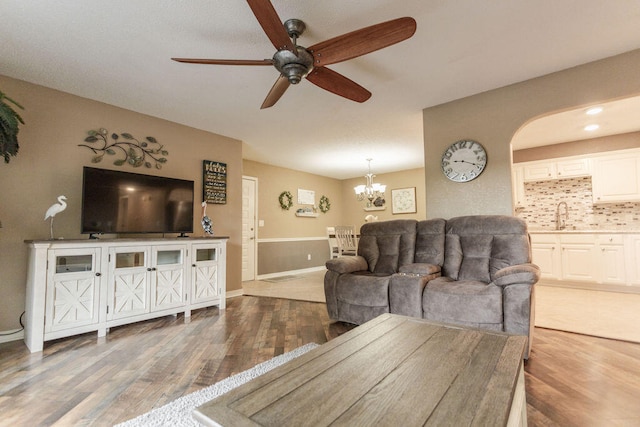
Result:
pixel 8 336
pixel 290 272
pixel 234 294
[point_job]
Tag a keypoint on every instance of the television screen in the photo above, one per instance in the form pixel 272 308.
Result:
pixel 123 202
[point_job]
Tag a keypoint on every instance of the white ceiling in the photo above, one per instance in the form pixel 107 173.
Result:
pixel 118 52
pixel 620 116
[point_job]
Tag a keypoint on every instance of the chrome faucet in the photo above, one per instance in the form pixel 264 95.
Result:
pixel 561 220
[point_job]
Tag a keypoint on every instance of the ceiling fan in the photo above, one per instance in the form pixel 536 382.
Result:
pixel 296 62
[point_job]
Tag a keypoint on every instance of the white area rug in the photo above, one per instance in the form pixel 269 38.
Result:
pixel 178 412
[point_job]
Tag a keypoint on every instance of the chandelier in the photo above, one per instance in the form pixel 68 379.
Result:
pixel 371 191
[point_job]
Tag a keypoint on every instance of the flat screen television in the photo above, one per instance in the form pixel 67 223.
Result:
pixel 123 202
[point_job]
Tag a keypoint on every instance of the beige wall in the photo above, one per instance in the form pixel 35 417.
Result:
pixel 50 163
pixel 345 208
pixel 281 223
pixel 575 148
pixel 280 256
pixel 354 210
pixel 493 117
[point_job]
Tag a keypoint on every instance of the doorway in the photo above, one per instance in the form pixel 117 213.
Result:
pixel 249 227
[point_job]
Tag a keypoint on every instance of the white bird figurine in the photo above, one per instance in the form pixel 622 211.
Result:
pixel 55 209
pixel 207 225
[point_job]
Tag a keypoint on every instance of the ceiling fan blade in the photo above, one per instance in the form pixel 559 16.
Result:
pixel 279 88
pixel 271 24
pixel 336 83
pixel 362 41
pixel 225 61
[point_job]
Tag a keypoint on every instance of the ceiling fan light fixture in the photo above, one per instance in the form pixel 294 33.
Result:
pixel 294 72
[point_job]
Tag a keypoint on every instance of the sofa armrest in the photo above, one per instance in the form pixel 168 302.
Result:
pixel 422 269
pixel 347 264
pixel 526 274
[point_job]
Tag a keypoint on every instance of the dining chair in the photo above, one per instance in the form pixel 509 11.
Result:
pixel 347 242
pixel 334 251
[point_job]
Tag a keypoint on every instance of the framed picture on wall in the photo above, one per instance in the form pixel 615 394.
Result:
pixel 403 200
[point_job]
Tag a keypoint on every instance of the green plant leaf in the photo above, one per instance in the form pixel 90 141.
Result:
pixel 92 133
pixel 111 151
pixel 144 144
pixel 147 164
pixel 119 162
pixel 162 160
pixel 126 135
pixel 90 139
pixel 158 166
pixel 152 139
pixel 165 153
pixel 114 136
pixel 96 159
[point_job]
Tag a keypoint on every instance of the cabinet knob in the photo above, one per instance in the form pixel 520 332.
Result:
pixel 193 265
pixel 151 269
pixel 98 274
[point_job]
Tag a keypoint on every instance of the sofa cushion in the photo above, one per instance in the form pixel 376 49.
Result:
pixel 363 289
pixel 468 302
pixel 476 247
pixel 430 241
pixel 387 245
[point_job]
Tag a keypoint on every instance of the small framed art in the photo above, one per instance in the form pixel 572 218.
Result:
pixel 403 200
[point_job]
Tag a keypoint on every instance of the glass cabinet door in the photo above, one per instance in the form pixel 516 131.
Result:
pixel 72 289
pixel 168 277
pixel 128 282
pixel 205 284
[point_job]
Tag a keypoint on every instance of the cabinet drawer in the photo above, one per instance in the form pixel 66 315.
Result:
pixel 578 238
pixel 611 239
pixel 543 238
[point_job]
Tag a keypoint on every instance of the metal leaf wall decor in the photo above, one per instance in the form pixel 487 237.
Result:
pixel 148 152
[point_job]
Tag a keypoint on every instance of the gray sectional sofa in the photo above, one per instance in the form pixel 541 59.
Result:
pixel 473 271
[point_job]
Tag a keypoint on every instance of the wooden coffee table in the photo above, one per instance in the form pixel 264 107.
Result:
pixel 393 370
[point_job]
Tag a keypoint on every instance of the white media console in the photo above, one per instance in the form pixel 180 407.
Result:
pixel 79 286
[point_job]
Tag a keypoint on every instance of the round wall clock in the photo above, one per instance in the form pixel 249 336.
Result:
pixel 464 160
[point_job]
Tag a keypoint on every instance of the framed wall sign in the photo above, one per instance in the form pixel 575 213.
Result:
pixel 403 200
pixel 214 182
pixel 306 197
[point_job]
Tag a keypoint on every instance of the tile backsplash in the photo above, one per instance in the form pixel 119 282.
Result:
pixel 542 198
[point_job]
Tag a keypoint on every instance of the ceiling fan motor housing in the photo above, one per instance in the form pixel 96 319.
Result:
pixel 293 67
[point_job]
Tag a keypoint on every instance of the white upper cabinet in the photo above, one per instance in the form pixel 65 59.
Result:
pixel 616 177
pixel 539 171
pixel 573 168
pixel 556 169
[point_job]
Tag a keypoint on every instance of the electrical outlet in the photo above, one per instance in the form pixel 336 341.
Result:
pixel 308 257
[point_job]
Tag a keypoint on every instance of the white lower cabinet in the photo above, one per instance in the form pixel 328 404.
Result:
pixel 604 258
pixel 545 252
pixel 579 260
pixel 81 286
pixel 611 254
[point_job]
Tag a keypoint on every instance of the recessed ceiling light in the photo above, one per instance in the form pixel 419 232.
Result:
pixel 591 128
pixel 594 110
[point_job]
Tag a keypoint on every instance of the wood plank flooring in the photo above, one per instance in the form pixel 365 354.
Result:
pixel 571 380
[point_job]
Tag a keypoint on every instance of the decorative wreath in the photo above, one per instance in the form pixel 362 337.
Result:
pixel 286 200
pixel 324 204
